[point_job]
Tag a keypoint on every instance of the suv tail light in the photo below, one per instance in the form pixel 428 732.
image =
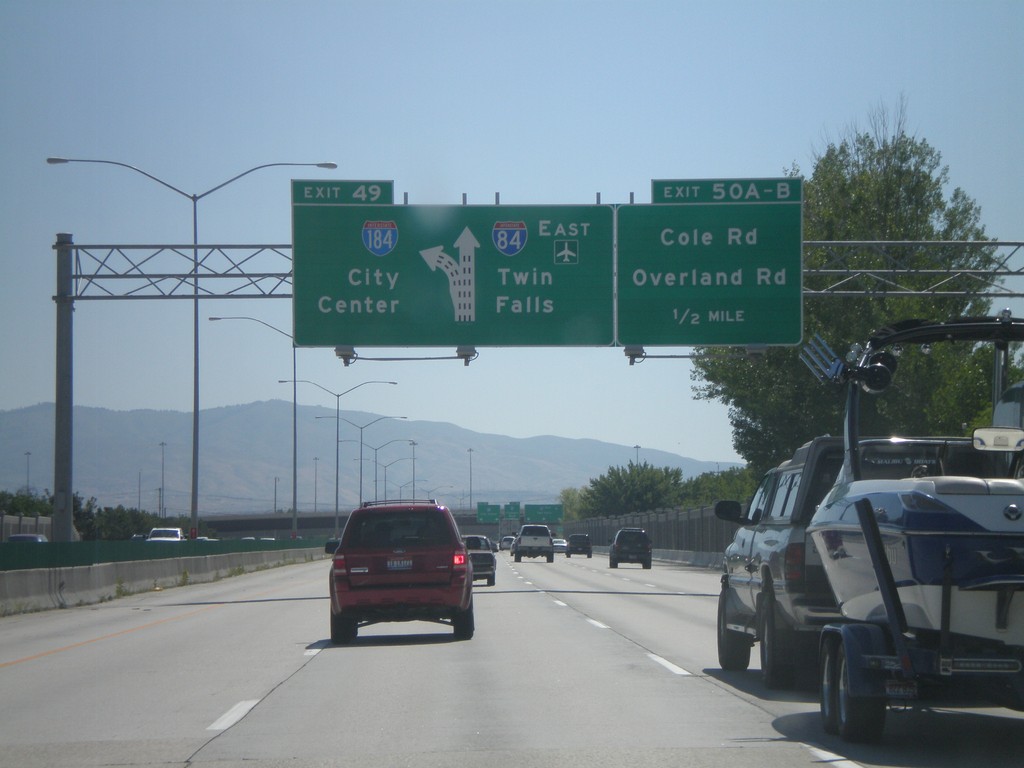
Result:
pixel 460 566
pixel 340 569
pixel 794 564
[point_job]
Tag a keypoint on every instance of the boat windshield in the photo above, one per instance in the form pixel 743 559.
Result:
pixel 898 459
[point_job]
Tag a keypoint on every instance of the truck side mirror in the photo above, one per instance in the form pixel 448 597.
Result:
pixel 730 511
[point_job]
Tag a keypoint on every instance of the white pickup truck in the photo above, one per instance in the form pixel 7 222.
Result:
pixel 166 534
pixel 534 541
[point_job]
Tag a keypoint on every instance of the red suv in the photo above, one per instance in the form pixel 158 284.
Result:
pixel 400 561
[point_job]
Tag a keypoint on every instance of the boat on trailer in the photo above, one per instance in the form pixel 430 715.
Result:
pixel 922 542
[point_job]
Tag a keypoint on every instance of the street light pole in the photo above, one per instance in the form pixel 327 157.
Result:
pixel 337 435
pixel 195 198
pixel 432 491
pixel 295 423
pixel 376 496
pixel 404 458
pixel 160 511
pixel 413 444
pixel 361 428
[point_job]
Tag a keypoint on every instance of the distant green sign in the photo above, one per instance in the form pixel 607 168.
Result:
pixel 512 510
pixel 543 513
pixel 712 273
pixel 487 513
pixel 452 275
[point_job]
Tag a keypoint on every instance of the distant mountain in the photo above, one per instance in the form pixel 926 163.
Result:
pixel 246 456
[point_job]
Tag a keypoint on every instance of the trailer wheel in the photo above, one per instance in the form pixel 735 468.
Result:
pixel 828 679
pixel 859 718
pixel 775 672
pixel 733 647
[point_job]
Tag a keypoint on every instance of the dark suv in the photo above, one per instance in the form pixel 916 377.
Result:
pixel 579 544
pixel 400 561
pixel 630 545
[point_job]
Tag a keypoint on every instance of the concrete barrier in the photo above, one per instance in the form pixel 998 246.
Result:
pixel 696 559
pixel 42 589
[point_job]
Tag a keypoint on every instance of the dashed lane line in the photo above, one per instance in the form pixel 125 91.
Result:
pixel 233 715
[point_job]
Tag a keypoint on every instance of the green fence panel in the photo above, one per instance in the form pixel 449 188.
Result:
pixel 23 555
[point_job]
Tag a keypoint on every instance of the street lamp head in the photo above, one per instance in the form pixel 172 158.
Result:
pixel 56 160
pixel 332 166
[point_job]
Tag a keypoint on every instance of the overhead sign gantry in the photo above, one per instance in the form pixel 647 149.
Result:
pixel 710 262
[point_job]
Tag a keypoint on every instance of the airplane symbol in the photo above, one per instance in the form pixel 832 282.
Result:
pixel 567 252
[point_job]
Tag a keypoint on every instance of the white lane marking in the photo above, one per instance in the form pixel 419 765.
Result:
pixel 833 760
pixel 559 602
pixel 667 664
pixel 598 624
pixel 233 715
pixel 312 651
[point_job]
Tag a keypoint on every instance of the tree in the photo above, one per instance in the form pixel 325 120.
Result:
pixel 635 488
pixel 705 489
pixel 571 500
pixel 24 503
pixel 880 184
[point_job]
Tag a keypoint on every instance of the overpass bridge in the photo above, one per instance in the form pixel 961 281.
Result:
pixel 312 525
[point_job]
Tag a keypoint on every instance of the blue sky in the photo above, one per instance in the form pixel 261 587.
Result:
pixel 548 102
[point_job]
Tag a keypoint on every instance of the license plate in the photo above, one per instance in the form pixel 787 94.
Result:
pixel 400 565
pixel 901 689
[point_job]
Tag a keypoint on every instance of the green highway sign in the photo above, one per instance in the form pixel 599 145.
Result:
pixel 707 274
pixel 321 192
pixel 697 191
pixel 487 513
pixel 406 276
pixel 512 510
pixel 543 513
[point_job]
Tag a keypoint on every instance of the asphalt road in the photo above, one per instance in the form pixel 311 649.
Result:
pixel 573 664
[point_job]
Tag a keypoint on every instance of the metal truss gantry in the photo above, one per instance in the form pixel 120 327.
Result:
pixel 133 272
pixel 190 272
